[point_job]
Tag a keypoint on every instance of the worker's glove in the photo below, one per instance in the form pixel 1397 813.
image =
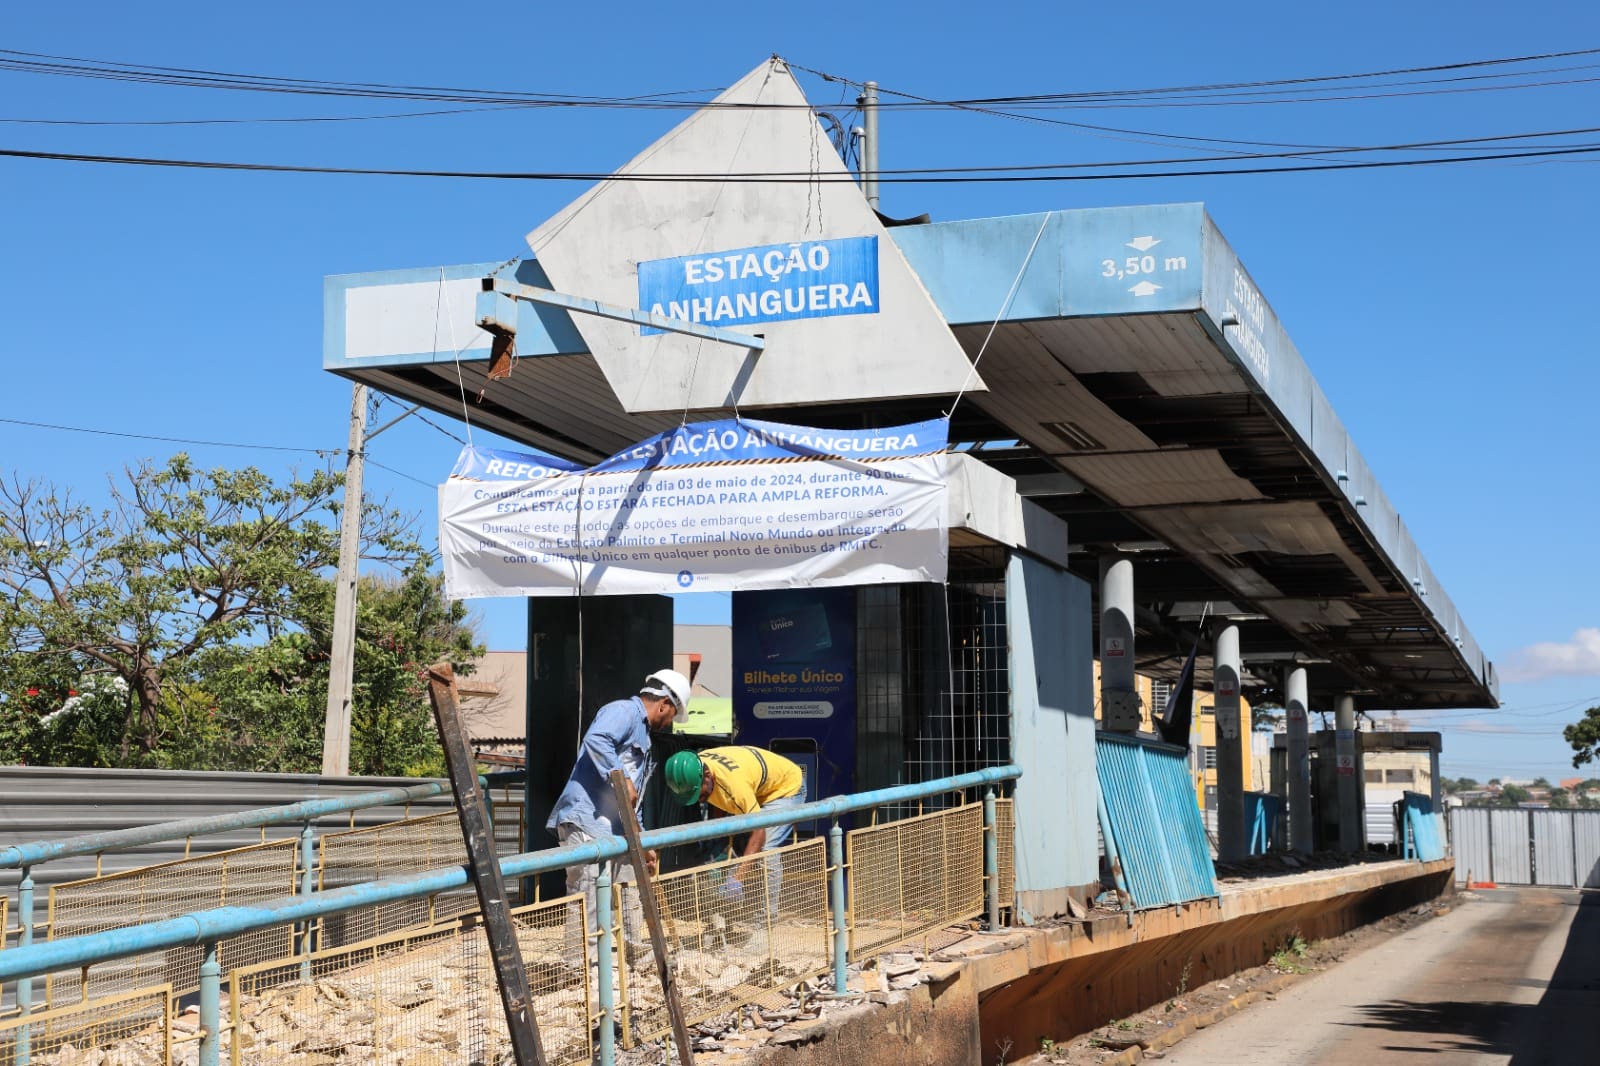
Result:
pixel 731 890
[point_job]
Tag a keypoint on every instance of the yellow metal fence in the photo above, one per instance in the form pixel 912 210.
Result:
pixel 911 877
pixel 260 873
pixel 428 996
pixel 375 994
pixel 1005 827
pixel 733 950
pixel 137 1024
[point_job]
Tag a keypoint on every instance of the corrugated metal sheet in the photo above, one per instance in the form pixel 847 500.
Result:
pixel 1423 829
pixel 1545 847
pixel 1469 838
pixel 50 803
pixel 1586 840
pixel 1262 812
pixel 1378 814
pixel 1510 858
pixel 1553 847
pixel 1155 824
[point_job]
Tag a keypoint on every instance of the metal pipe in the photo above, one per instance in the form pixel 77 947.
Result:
pixel 841 934
pixel 210 1007
pixel 90 843
pixel 991 860
pixel 869 157
pixel 223 922
pixel 308 884
pixel 603 950
pixel 25 985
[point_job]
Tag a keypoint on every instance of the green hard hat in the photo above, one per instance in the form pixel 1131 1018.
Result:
pixel 683 777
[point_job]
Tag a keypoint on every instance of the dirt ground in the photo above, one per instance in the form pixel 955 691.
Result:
pixel 1296 956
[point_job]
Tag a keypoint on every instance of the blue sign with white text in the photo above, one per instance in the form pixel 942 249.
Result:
pixel 768 283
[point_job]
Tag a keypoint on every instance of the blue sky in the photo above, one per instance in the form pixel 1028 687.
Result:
pixel 1445 310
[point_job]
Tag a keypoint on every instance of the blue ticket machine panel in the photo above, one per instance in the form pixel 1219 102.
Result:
pixel 794 681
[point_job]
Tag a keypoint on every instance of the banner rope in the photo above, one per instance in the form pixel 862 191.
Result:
pixel 1004 307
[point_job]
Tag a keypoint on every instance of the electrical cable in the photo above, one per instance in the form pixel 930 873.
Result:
pixel 322 452
pixel 951 176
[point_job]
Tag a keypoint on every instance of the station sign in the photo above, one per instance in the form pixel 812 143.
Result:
pixel 765 283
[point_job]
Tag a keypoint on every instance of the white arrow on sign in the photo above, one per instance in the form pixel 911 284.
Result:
pixel 1145 288
pixel 1144 244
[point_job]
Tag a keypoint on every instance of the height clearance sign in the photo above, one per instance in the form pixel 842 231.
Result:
pixel 708 507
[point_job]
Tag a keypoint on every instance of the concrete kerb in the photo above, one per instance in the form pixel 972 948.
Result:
pixel 1203 1020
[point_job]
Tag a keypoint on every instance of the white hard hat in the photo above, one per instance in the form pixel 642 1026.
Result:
pixel 671 684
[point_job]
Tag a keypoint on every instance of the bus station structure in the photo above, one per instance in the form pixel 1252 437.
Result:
pixel 1141 464
pixel 963 481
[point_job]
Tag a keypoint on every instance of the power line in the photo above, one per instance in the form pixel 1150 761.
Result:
pixel 1216 94
pixel 323 452
pixel 952 176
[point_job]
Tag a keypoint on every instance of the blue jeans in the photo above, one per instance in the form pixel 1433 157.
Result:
pixel 777 837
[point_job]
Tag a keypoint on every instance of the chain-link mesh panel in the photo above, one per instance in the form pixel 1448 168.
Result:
pixel 425 996
pixel 137 1025
pixel 244 876
pixel 732 947
pixel 1005 825
pixel 913 876
pixel 410 846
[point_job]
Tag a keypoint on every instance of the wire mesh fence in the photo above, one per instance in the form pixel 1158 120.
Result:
pixel 732 947
pixel 139 1024
pixel 260 873
pixel 427 996
pixel 913 876
pixel 1005 828
pixel 428 993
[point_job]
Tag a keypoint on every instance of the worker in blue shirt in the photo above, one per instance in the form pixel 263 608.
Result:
pixel 618 738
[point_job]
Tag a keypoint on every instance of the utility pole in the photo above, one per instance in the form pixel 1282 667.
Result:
pixel 868 102
pixel 341 668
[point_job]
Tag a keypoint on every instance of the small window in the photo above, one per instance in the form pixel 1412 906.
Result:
pixel 1402 777
pixel 1209 756
pixel 1374 777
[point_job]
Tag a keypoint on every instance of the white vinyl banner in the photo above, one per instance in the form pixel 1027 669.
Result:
pixel 707 507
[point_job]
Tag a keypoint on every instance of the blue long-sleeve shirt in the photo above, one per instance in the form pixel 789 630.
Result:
pixel 619 738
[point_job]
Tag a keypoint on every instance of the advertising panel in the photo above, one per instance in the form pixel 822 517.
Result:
pixel 794 680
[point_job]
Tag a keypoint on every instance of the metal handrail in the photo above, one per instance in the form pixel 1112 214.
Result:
pixel 35 852
pixel 203 927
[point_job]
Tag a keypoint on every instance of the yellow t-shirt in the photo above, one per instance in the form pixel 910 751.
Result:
pixel 743 778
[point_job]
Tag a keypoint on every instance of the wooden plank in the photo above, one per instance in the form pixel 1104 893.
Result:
pixel 652 917
pixel 484 865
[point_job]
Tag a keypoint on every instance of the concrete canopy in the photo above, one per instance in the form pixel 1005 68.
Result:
pixel 1138 386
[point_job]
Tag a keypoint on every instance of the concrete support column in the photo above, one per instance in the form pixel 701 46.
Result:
pixel 1296 713
pixel 1435 792
pixel 1233 836
pixel 1119 700
pixel 1347 768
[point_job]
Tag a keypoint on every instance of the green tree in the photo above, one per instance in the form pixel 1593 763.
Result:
pixel 1512 795
pixel 1561 799
pixel 1541 782
pixel 181 563
pixel 272 697
pixel 1584 736
pixel 1265 718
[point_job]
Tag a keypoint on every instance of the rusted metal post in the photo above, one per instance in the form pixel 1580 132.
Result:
pixel 652 917
pixel 484 865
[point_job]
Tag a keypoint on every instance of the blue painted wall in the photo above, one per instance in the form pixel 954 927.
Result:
pixel 1052 719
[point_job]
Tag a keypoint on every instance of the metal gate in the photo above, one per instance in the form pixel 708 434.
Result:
pixel 1537 847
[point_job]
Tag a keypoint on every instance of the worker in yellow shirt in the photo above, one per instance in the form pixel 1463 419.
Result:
pixel 741 780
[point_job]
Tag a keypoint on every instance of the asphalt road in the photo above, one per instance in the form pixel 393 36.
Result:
pixel 1511 977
